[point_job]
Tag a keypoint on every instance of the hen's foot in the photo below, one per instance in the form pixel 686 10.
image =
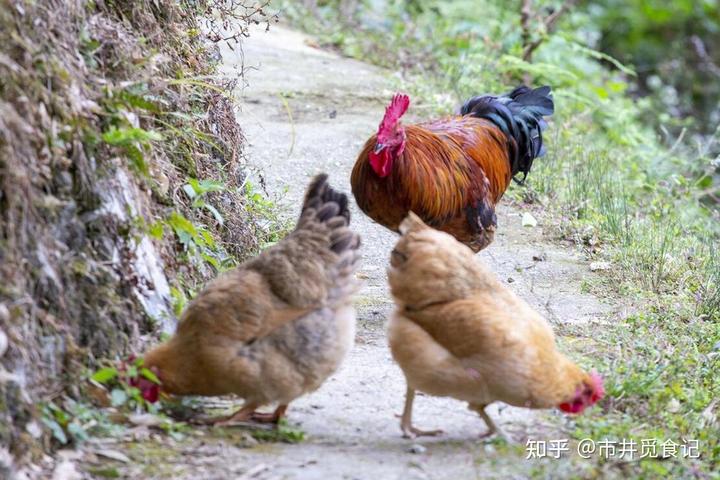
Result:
pixel 500 433
pixel 242 415
pixel 411 432
pixel 406 419
pixel 273 417
pixel 493 429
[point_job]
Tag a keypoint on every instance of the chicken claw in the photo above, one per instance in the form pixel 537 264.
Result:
pixel 406 419
pixel 247 414
pixel 411 432
pixel 492 427
pixel 242 415
pixel 273 417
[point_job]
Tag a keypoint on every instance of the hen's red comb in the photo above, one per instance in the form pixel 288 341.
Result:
pixel 598 386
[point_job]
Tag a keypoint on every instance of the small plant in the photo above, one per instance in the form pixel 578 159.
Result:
pixel 708 292
pixel 198 240
pixel 283 433
pixel 197 191
pixel 263 207
pixel 62 424
pixel 128 391
pixel 74 422
pixel 134 142
pixel 123 382
pixel 179 300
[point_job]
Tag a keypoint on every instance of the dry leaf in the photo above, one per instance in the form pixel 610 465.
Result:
pixel 528 220
pixel 113 455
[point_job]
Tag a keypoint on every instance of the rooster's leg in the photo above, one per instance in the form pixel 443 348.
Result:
pixel 492 427
pixel 273 417
pixel 406 421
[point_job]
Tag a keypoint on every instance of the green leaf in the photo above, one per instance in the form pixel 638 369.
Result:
pixel 179 300
pixel 193 182
pixel 105 472
pixel 215 213
pixel 705 182
pixel 156 230
pixel 104 375
pixel 200 188
pixel 132 100
pixel 61 417
pixel 126 136
pixel 77 431
pixel 211 260
pixel 135 394
pixel 181 224
pixel 208 185
pixel 189 191
pixel 138 159
pixel 149 375
pixel 207 239
pixel 57 431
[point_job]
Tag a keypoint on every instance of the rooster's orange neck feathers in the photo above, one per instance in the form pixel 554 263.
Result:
pixel 390 142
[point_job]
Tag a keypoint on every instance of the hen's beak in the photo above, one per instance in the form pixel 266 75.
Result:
pixel 378 147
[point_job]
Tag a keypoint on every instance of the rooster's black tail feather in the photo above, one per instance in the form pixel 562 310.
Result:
pixel 519 114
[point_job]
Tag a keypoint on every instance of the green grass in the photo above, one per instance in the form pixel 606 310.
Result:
pixel 611 184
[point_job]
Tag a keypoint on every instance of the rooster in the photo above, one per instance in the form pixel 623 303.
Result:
pixel 452 171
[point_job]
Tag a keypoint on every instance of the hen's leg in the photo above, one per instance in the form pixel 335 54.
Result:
pixel 242 415
pixel 273 417
pixel 492 427
pixel 406 421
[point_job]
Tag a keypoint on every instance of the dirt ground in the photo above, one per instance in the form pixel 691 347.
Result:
pixel 307 111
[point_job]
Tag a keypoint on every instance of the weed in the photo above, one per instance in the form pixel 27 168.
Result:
pixel 180 300
pixel 197 192
pixel 75 422
pixel 258 204
pixel 282 433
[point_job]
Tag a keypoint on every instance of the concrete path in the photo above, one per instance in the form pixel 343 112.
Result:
pixel 307 111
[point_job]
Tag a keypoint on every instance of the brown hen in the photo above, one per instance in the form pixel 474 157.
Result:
pixel 277 326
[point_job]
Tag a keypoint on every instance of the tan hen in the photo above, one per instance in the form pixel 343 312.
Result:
pixel 458 332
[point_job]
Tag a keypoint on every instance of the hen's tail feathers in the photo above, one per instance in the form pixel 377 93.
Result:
pixel 519 114
pixel 320 194
pixel 325 205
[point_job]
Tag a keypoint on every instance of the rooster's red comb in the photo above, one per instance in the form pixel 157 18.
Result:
pixel 397 108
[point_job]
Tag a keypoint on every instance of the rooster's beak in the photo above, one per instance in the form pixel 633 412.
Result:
pixel 378 147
